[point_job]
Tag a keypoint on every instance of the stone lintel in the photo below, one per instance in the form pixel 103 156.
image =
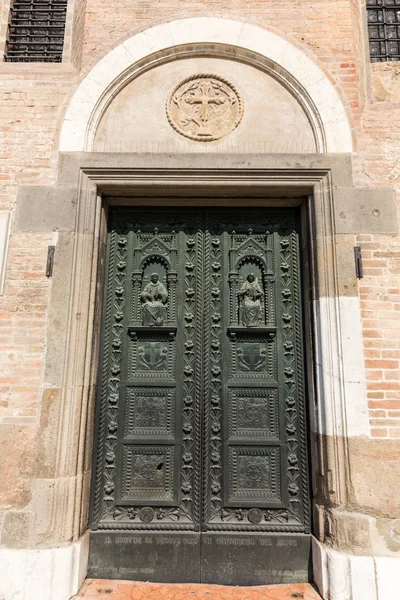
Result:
pixel 70 163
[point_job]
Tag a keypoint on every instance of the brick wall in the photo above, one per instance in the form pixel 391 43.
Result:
pixel 380 304
pixel 23 329
pixel 32 102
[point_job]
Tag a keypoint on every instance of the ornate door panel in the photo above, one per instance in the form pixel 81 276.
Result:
pixel 201 467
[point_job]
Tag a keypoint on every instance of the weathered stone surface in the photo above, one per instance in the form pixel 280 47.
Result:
pixel 15 447
pixel 58 310
pixel 339 575
pixel 351 532
pixel 365 211
pixel 387 535
pixel 347 282
pixel 375 476
pixel 340 165
pixel 370 484
pixel 54 573
pixel 367 523
pixel 386 82
pixel 43 460
pixel 45 208
pixel 15 529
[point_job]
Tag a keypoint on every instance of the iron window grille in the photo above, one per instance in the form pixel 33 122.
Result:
pixel 36 31
pixel 384 29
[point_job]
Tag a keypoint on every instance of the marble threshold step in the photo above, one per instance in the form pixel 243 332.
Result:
pixel 111 589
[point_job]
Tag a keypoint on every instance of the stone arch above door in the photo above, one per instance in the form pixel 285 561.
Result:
pixel 243 108
pixel 265 59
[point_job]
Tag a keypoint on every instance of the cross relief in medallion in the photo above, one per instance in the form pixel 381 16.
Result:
pixel 204 107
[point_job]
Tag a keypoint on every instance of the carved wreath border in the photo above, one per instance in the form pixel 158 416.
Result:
pixel 204 76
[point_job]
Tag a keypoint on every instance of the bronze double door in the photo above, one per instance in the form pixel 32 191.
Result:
pixel 200 470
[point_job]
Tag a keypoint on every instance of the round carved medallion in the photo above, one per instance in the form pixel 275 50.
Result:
pixel 254 516
pixel 204 107
pixel 146 514
pixel 254 472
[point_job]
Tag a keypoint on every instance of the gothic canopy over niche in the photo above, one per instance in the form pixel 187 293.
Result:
pixel 192 104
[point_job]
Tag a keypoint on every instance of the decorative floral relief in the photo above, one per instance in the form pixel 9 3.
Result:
pixel 189 386
pixel 215 382
pixel 115 362
pixel 255 516
pixel 288 264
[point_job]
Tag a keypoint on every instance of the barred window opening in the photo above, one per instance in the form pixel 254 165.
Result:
pixel 36 31
pixel 384 29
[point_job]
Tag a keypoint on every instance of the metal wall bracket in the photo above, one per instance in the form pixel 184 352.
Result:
pixel 358 262
pixel 50 261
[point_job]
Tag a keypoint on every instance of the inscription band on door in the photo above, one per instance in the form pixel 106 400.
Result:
pixel 201 458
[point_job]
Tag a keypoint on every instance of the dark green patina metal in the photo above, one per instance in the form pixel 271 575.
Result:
pixel 201 411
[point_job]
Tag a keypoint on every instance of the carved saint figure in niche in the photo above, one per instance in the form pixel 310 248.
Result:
pixel 250 296
pixel 154 298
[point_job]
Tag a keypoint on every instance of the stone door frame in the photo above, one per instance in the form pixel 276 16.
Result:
pixel 327 346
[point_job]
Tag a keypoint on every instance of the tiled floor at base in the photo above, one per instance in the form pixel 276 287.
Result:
pixel 107 589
